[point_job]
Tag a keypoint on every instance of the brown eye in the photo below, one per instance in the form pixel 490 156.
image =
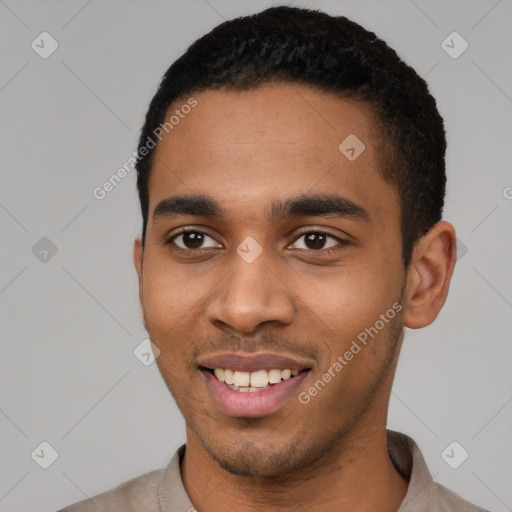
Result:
pixel 192 240
pixel 317 240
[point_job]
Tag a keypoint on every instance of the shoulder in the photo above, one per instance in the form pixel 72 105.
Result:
pixel 423 494
pixel 137 494
pixel 444 500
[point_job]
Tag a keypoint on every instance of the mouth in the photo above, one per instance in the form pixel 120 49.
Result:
pixel 252 382
pixel 252 385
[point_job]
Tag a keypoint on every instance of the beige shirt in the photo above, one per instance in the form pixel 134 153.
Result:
pixel 162 490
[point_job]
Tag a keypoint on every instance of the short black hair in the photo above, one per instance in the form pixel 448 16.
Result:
pixel 335 55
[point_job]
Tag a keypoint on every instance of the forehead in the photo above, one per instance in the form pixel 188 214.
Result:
pixel 275 141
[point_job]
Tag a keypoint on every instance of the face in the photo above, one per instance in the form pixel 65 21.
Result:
pixel 291 261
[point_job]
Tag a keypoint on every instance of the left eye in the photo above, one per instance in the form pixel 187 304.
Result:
pixel 316 240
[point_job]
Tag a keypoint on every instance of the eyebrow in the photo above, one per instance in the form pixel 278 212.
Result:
pixel 331 205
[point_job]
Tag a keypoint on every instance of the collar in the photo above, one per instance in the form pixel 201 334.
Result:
pixel 403 451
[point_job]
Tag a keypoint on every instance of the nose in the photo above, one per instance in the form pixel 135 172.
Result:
pixel 252 294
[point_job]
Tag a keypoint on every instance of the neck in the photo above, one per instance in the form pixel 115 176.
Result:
pixel 357 476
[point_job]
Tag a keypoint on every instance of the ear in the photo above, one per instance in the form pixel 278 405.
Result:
pixel 429 275
pixel 138 258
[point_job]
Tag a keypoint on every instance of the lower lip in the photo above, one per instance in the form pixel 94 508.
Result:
pixel 252 404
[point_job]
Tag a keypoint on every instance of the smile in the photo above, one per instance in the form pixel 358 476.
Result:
pixel 251 401
pixel 250 382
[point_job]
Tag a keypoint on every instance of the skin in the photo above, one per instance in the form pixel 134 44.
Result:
pixel 247 150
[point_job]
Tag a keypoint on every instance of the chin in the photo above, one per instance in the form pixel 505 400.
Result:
pixel 263 465
pixel 248 458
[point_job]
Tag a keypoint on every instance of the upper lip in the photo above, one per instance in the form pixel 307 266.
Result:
pixel 251 362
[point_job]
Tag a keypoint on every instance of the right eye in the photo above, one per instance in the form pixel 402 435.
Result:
pixel 190 240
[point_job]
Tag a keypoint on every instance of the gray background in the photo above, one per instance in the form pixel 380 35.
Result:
pixel 69 325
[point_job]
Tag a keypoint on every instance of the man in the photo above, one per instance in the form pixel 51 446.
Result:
pixel 291 177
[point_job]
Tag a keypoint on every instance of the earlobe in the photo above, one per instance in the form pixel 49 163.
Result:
pixel 429 275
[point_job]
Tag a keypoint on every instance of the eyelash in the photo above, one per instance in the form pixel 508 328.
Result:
pixel 340 241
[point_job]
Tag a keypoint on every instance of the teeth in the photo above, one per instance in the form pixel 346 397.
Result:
pixel 241 379
pixel 228 376
pixel 246 389
pixel 249 389
pixel 259 379
pixel 274 376
pixel 252 381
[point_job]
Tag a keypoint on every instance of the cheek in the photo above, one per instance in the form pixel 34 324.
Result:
pixel 168 295
pixel 173 303
pixel 351 299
